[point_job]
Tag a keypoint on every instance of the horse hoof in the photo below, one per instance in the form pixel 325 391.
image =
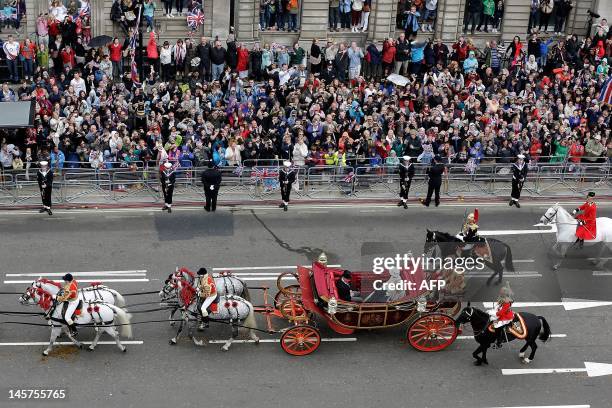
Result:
pixel 521 355
pixel 256 340
pixel 172 342
pixel 45 353
pixel 80 346
pixel 124 350
pixel 526 361
pixel 224 348
pixel 90 348
pixel 555 267
pixel 172 324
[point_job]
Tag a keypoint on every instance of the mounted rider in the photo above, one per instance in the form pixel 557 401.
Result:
pixel 502 314
pixel 207 293
pixel 69 295
pixel 469 232
pixel 586 215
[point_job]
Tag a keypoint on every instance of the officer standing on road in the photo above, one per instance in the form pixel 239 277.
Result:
pixel 435 173
pixel 167 178
pixel 519 173
pixel 406 173
pixel 286 178
pixel 45 183
pixel 211 179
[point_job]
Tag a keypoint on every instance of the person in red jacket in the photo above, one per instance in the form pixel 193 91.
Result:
pixel 461 50
pixel 116 57
pixel 68 57
pixel 502 314
pixel 388 55
pixel 586 215
pixel 243 61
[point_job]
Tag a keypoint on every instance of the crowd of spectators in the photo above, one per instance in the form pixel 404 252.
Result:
pixel 201 100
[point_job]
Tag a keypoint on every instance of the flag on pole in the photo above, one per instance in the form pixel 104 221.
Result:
pixel 606 91
pixel 133 40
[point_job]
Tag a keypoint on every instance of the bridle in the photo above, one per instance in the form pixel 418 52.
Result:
pixel 552 217
pixel 470 314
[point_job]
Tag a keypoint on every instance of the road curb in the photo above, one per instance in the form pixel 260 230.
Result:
pixel 250 203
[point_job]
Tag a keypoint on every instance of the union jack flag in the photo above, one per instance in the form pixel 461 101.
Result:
pixel 349 177
pixel 606 92
pixel 238 170
pixel 195 19
pixel 133 37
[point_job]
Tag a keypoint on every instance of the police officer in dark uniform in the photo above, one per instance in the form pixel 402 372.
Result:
pixel 286 178
pixel 406 173
pixel 167 178
pixel 519 173
pixel 45 183
pixel 435 172
pixel 211 179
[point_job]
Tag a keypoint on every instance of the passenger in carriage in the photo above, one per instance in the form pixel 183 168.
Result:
pixel 343 287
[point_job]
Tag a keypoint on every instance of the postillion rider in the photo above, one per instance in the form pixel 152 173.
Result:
pixel 207 294
pixel 69 295
pixel 586 215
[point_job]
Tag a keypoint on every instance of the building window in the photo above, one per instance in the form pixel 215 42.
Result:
pixel 280 15
pixel 416 15
pixel 351 15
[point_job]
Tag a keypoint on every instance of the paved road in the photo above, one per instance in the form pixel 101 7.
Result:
pixel 376 369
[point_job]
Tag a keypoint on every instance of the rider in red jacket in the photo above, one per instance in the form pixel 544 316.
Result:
pixel 502 314
pixel 586 215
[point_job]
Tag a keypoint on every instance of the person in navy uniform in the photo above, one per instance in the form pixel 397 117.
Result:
pixel 211 179
pixel 519 174
pixel 45 184
pixel 406 173
pixel 343 286
pixel 167 178
pixel 286 178
pixel 435 172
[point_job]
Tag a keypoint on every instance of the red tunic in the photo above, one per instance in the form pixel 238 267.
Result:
pixel 588 215
pixel 505 313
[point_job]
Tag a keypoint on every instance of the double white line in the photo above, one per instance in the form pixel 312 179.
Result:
pixel 134 275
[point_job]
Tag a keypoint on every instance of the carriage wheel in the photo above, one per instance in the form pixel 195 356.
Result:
pixel 432 332
pixel 293 311
pixel 300 340
pixel 291 291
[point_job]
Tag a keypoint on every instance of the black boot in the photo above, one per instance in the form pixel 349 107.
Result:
pixel 581 243
pixel 511 203
pixel 499 337
pixel 400 203
pixel 517 204
pixel 73 329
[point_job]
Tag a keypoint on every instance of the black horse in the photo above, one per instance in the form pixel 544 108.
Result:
pixel 537 328
pixel 448 245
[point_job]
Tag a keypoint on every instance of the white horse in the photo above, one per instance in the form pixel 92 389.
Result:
pixel 99 315
pixel 566 232
pixel 94 293
pixel 231 309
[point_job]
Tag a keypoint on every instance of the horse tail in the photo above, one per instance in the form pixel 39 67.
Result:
pixel 508 260
pixel 250 321
pixel 545 335
pixel 246 295
pixel 120 301
pixel 124 320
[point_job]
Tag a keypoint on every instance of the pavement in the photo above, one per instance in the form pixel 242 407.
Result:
pixel 134 249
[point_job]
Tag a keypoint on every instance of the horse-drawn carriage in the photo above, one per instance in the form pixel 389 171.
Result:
pixel 431 326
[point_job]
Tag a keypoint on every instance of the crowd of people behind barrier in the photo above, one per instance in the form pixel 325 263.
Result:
pixel 204 100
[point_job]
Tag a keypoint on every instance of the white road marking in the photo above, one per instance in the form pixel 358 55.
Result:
pixel 257 268
pixel 551 230
pixel 523 260
pixel 557 336
pixel 58 218
pixel 330 339
pixel 527 274
pixel 14 282
pixel 67 343
pixel 567 304
pixel 602 273
pixel 592 370
pixel 94 273
pixel 549 406
pixel 120 217
pixel 313 212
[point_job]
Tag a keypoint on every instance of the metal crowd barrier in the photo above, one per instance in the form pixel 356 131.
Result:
pixel 258 180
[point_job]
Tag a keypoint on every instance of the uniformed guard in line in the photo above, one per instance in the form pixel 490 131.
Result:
pixel 211 179
pixel 435 172
pixel 70 295
pixel 167 178
pixel 406 173
pixel 586 215
pixel 519 174
pixel 45 183
pixel 286 178
pixel 207 294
